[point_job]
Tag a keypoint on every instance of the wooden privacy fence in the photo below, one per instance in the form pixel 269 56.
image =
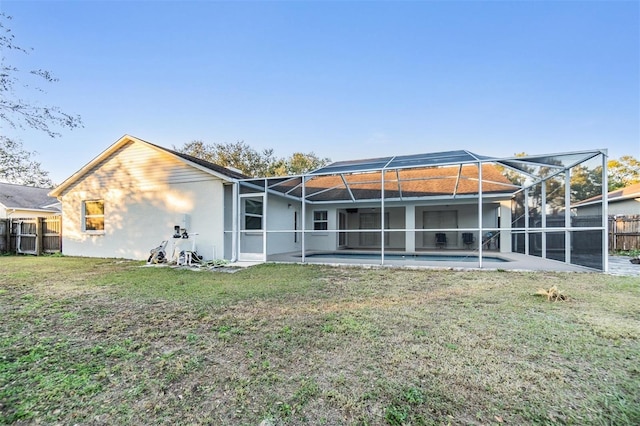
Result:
pixel 31 235
pixel 624 233
pixel 4 236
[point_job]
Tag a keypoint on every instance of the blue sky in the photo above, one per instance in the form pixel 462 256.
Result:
pixel 344 79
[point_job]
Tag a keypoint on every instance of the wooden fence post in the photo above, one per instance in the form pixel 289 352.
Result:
pixel 39 235
pixel 5 232
pixel 614 234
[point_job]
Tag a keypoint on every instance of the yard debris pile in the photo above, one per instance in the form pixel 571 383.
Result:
pixel 553 294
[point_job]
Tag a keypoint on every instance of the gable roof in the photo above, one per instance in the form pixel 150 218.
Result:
pixel 26 197
pixel 206 166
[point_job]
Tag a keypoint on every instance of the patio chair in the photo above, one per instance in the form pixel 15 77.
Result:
pixel 441 239
pixel 468 239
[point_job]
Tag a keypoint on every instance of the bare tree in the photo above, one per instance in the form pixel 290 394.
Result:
pixel 16 113
pixel 18 166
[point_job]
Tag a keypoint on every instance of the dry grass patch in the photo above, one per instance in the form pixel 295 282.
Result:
pixel 107 342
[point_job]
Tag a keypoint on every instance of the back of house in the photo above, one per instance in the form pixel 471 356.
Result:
pixel 132 197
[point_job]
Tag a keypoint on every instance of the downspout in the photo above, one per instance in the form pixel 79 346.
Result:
pixel 235 203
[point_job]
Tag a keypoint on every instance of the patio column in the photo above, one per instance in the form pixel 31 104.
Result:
pixel 505 226
pixel 410 226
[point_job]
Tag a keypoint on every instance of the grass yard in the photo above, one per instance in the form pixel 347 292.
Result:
pixel 95 341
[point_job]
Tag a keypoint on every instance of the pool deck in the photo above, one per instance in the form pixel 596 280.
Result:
pixel 515 261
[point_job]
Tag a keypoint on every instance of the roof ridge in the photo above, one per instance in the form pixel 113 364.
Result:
pixel 208 164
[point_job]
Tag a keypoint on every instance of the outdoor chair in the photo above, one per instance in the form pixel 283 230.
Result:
pixel 441 239
pixel 468 239
pixel 491 241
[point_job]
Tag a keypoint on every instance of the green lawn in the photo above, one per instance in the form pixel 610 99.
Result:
pixel 95 341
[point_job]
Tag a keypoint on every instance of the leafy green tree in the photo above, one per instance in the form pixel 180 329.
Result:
pixel 238 155
pixel 585 183
pixel 251 162
pixel 300 163
pixel 623 172
pixel 17 164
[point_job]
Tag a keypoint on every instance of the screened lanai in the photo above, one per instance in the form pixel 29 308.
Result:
pixel 453 206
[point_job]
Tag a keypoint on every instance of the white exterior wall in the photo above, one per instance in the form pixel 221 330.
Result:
pixel 627 207
pixel 467 217
pixel 393 239
pixel 280 217
pixel 145 194
pixel 280 213
pixel 505 226
pixel 321 240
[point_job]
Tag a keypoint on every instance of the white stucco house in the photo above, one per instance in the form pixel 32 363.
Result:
pixel 131 197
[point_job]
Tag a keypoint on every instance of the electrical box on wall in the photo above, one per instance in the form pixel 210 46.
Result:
pixel 182 227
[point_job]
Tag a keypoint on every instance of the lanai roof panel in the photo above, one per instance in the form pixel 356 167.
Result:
pixel 401 161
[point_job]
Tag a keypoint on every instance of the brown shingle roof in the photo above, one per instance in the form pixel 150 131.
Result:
pixel 405 183
pixel 631 191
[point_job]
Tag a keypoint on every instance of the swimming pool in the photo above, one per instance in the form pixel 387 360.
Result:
pixel 410 257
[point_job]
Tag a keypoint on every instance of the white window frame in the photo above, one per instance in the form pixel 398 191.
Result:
pixel 320 220
pixel 253 215
pixel 86 216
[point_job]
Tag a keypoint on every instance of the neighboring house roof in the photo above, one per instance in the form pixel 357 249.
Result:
pixel 22 197
pixel 621 194
pixel 632 191
pixel 214 169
